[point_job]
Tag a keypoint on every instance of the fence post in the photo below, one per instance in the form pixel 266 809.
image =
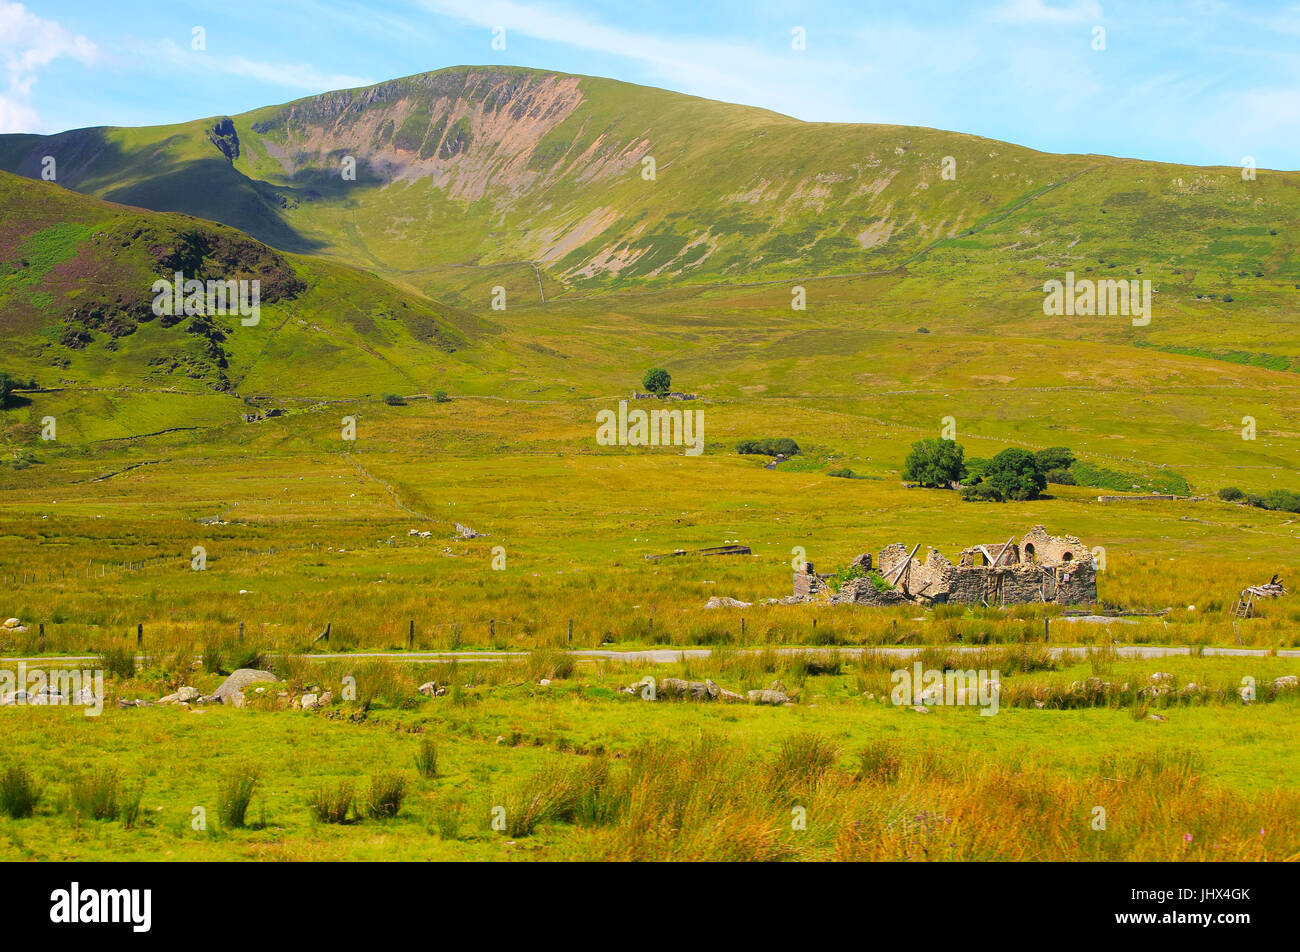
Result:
pixel 1046 630
pixel 241 631
pixel 570 631
pixel 492 627
pixel 410 636
pixel 139 634
pixel 742 626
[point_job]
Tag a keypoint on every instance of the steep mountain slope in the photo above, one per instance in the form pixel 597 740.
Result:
pixel 471 167
pixel 77 293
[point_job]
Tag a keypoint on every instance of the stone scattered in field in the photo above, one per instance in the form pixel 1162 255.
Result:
pixel 233 698
pixel 921 709
pixel 723 601
pixel 13 623
pixel 239 680
pixel 309 701
pixel 465 532
pixel 1287 682
pixel 431 689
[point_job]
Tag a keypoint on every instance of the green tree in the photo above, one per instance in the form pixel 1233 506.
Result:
pixel 1054 457
pixel 6 388
pixel 657 380
pixel 935 463
pixel 1015 473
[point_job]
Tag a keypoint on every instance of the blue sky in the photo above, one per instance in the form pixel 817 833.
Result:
pixel 1194 81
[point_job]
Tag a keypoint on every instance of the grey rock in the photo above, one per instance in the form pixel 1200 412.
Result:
pixel 241 679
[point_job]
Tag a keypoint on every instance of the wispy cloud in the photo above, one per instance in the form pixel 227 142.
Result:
pixel 720 69
pixel 28 43
pixel 1040 11
pixel 288 75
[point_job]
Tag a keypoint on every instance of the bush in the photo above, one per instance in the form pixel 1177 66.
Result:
pixel 981 492
pixel 234 793
pixel 332 804
pixel 440 396
pixel 1231 494
pixel 18 793
pixel 657 380
pixel 781 446
pixel 844 473
pixel 387 791
pixel 1061 477
pixel 935 463
pixel 1054 457
pixel 1015 473
pixel 426 761
pixel 1282 500
pixel 393 400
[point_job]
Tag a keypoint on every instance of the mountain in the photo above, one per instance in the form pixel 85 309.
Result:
pixel 922 279
pixel 476 167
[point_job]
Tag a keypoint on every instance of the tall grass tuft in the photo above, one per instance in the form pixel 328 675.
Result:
pixel 234 793
pixel 332 804
pixel 95 794
pixel 426 760
pixel 387 791
pixel 118 661
pixel 18 793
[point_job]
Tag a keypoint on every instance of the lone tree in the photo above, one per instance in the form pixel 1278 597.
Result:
pixel 657 381
pixel 6 387
pixel 935 463
pixel 1016 474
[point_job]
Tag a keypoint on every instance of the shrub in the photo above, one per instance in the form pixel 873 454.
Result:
pixel 981 492
pixel 1062 477
pixel 1054 457
pixel 1282 500
pixel 1015 473
pixel 234 793
pixel 426 761
pixel 935 463
pixel 387 791
pixel 440 396
pixel 393 400
pixel 842 473
pixel 95 794
pixel 332 804
pixel 781 446
pixel 1231 494
pixel 18 793
pixel 657 380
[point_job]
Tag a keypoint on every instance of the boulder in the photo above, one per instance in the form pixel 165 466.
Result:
pixel 465 532
pixel 310 701
pixel 233 698
pixel 1287 682
pixel 13 623
pixel 187 694
pixel 431 689
pixel 241 679
pixel 327 698
pixel 724 601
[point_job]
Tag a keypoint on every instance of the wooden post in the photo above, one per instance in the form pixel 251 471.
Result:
pixel 241 631
pixel 1047 629
pixel 570 631
pixel 139 634
pixel 492 627
pixel 40 643
pixel 410 636
pixel 742 626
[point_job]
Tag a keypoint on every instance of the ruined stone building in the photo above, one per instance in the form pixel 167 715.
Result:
pixel 1039 568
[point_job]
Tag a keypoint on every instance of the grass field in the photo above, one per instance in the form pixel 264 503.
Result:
pixel 397 402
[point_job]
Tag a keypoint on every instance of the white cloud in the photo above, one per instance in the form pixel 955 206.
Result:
pixel 288 75
pixel 28 43
pixel 734 72
pixel 1039 11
